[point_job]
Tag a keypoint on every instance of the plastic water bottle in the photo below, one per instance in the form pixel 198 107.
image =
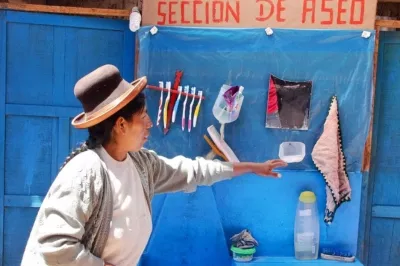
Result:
pixel 306 231
pixel 135 18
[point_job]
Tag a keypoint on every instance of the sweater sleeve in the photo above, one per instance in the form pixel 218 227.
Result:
pixel 67 208
pixel 184 174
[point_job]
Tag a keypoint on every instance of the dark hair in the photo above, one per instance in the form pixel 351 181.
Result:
pixel 101 133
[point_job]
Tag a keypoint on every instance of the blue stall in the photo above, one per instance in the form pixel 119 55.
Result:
pixel 194 229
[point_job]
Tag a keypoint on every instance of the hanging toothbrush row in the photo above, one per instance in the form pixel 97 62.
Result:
pixel 186 94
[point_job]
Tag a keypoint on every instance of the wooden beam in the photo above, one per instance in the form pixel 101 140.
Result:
pixel 368 144
pixel 388 23
pixel 124 13
pixel 388 1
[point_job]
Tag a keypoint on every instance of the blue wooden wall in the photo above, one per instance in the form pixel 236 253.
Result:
pixel 382 230
pixel 41 58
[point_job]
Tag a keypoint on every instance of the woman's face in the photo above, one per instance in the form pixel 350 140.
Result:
pixel 134 133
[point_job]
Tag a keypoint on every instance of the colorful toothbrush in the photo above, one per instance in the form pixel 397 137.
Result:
pixel 186 90
pixel 193 92
pixel 196 112
pixel 176 104
pixel 168 86
pixel 161 85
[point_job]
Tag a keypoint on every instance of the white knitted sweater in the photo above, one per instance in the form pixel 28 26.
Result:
pixel 72 224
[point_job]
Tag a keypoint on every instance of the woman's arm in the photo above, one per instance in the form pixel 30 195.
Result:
pixel 262 169
pixel 184 174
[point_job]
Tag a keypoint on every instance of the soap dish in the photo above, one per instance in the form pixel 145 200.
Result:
pixel 292 152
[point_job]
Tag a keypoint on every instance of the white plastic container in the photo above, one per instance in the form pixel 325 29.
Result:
pixel 135 18
pixel 220 108
pixel 307 229
pixel 292 152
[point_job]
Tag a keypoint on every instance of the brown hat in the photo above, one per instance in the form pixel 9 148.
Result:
pixel 102 93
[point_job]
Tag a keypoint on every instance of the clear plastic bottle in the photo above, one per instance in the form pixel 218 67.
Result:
pixel 307 229
pixel 135 19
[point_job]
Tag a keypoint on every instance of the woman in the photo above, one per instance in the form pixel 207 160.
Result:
pixel 98 211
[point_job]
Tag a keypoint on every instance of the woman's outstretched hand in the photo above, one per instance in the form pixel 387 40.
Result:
pixel 263 169
pixel 267 168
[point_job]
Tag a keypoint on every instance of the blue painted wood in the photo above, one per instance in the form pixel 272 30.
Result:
pixel 41 110
pixel 54 149
pixel 63 140
pixel 17 226
pixel 29 48
pixel 40 61
pixel 386 211
pixel 382 228
pixel 279 261
pixel 3 44
pixel 23 201
pixel 28 155
pixel 59 70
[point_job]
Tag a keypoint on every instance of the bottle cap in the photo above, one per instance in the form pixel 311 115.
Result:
pixel 307 197
pixel 135 9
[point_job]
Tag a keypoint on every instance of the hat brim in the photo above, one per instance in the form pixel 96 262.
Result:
pixel 84 120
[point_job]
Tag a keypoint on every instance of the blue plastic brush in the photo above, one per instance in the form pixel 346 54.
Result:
pixel 337 254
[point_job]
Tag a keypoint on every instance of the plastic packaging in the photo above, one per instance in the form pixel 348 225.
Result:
pixel 135 18
pixel 222 145
pixel 292 152
pixel 222 111
pixel 306 231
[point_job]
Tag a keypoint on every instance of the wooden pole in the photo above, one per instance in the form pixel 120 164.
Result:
pixel 68 10
pixel 368 144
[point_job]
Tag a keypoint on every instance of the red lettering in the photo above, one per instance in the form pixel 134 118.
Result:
pixel 361 8
pixel 235 13
pixel 279 10
pixel 195 20
pixel 341 11
pixel 307 9
pixel 324 9
pixel 183 3
pixel 271 11
pixel 221 11
pixel 161 14
pixel 207 13
pixel 171 12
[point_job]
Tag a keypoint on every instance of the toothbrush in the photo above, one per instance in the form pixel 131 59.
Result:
pixel 193 92
pixel 196 111
pixel 176 104
pixel 168 85
pixel 186 90
pixel 161 85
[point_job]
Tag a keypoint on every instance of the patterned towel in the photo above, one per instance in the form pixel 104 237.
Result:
pixel 329 159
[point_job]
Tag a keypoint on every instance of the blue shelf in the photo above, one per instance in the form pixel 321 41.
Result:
pixel 280 261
